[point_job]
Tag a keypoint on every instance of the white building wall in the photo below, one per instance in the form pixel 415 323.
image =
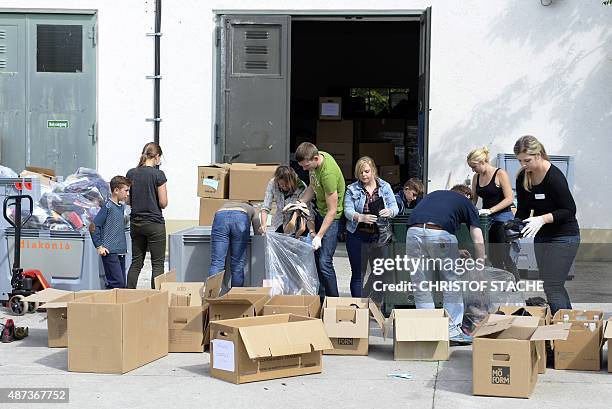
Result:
pixel 499 70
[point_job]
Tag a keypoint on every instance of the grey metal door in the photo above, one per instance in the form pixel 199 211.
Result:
pixel 48 91
pixel 255 80
pixel 423 115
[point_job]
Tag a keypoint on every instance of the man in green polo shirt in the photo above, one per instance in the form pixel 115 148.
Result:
pixel 327 186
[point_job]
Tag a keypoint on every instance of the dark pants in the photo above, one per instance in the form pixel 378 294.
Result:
pixel 114 270
pixel 324 257
pixel 230 229
pixel 147 236
pixel 499 250
pixel 362 250
pixel 555 256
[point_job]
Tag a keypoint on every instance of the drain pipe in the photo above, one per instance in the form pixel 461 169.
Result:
pixel 157 75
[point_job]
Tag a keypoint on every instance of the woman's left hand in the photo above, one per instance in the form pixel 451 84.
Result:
pixel 385 213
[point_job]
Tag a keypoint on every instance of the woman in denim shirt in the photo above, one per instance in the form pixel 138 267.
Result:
pixel 365 216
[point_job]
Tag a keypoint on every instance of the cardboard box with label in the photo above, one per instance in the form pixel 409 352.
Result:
pixel 390 174
pixel 505 357
pixel 55 302
pixel 213 181
pixel 118 330
pixel 420 334
pixel 347 322
pixel 330 108
pixel 343 155
pixel 608 336
pixel 248 181
pixel 208 207
pixel 188 310
pixel 306 305
pixel 382 153
pixel 582 349
pixel 334 132
pixel 543 313
pixel 267 347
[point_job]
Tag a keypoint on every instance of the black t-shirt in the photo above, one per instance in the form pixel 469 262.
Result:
pixel 552 195
pixel 143 193
pixel 446 208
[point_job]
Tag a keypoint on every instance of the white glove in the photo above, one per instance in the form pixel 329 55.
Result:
pixel 385 213
pixel 534 224
pixel 367 218
pixel 484 212
pixel 316 243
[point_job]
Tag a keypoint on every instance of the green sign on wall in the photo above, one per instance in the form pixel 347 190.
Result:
pixel 58 123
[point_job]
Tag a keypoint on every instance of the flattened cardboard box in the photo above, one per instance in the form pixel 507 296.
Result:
pixel 248 181
pixel 582 349
pixel 347 323
pixel 56 303
pixel 118 330
pixel 545 318
pixel 505 357
pixel 213 181
pixel 267 347
pixel 608 336
pixel 305 305
pixel 420 334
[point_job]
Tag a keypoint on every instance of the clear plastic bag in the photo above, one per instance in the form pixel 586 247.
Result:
pixel 88 183
pixel 73 209
pixel 477 304
pixel 7 172
pixel 290 265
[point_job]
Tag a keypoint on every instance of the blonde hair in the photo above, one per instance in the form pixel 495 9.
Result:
pixel 531 146
pixel 478 155
pixel 361 162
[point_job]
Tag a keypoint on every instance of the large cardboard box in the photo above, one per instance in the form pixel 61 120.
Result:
pixel 118 330
pixel 545 318
pixel 55 302
pixel 306 305
pixel 238 302
pixel 213 181
pixel 268 347
pixel 390 174
pixel 248 181
pixel 505 357
pixel 347 323
pixel 382 153
pixel 343 155
pixel 208 207
pixel 374 128
pixel 188 310
pixel 582 349
pixel 420 334
pixel 335 131
pixel 330 108
pixel 608 336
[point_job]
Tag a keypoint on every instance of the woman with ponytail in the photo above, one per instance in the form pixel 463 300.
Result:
pixel 148 197
pixel 542 188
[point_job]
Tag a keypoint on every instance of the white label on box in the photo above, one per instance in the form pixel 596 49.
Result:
pixel 212 183
pixel 223 355
pixel 330 109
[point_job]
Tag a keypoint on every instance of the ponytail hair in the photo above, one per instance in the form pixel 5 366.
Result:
pixel 149 151
pixel 531 146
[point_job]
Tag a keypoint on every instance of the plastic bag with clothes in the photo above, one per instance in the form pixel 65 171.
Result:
pixel 499 289
pixel 7 172
pixel 71 209
pixel 290 265
pixel 88 183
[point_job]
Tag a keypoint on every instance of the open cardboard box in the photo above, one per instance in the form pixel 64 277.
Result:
pixel 582 349
pixel 306 305
pixel 608 336
pixel 420 334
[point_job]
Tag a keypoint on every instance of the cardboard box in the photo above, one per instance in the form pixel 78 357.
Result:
pixel 208 207
pixel 55 302
pixel 268 347
pixel 248 181
pixel 335 131
pixel 330 108
pixel 505 357
pixel 305 305
pixel 608 336
pixel 382 153
pixel 420 334
pixel 374 128
pixel 188 310
pixel 545 318
pixel 213 181
pixel 238 302
pixel 343 155
pixel 390 174
pixel 347 323
pixel 582 349
pixel 118 330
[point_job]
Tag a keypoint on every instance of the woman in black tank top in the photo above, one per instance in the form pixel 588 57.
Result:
pixel 493 186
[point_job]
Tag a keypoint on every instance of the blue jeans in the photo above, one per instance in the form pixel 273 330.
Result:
pixel 324 258
pixel 229 228
pixel 114 270
pixel 362 250
pixel 555 256
pixel 435 244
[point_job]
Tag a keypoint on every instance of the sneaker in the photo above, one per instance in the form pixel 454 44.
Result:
pixel 21 333
pixel 8 333
pixel 458 337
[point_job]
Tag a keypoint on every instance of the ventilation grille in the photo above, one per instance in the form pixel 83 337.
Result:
pixel 256 49
pixel 3 64
pixel 256 65
pixel 2 34
pixel 256 35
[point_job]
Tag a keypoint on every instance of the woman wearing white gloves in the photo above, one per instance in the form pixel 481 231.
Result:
pixel 368 204
pixel 542 187
pixel 493 186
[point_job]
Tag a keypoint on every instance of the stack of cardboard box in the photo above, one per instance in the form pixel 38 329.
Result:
pixel 336 138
